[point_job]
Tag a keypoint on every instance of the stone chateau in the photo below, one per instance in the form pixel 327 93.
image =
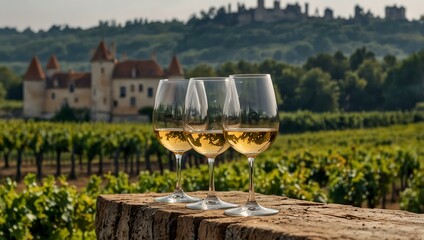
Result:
pixel 112 91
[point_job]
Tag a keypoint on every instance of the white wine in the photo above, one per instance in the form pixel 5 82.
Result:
pixel 250 141
pixel 173 139
pixel 208 143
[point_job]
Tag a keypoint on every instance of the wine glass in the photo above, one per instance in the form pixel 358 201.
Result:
pixel 203 129
pixel 250 124
pixel 168 126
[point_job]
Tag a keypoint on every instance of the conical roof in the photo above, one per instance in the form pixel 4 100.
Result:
pixel 102 53
pixel 53 63
pixel 175 68
pixel 35 71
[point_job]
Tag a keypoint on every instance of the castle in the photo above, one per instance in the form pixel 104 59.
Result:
pixel 111 91
pixel 262 14
pixel 293 12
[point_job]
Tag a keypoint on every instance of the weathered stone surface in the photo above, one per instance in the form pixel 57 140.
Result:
pixel 136 216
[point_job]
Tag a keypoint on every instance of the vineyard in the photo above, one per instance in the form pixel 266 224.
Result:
pixel 131 144
pixel 367 167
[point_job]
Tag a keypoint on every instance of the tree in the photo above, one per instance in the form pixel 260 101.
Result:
pixel 287 82
pixel 247 67
pixel 9 80
pixel 404 86
pixel 227 69
pixel 389 62
pixel 371 71
pixel 317 92
pixel 2 92
pixel 335 65
pixel 341 65
pixel 352 92
pixel 359 56
pixel 201 70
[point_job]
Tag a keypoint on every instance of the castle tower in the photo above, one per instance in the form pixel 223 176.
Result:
pixel 52 66
pixel 307 9
pixel 277 5
pixel 175 70
pixel 261 4
pixel 34 89
pixel 102 65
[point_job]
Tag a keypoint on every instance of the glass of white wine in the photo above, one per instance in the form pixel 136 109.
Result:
pixel 251 124
pixel 168 126
pixel 204 104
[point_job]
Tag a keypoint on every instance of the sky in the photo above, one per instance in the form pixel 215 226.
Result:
pixel 41 14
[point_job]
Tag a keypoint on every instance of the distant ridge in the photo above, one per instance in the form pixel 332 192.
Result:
pixel 217 36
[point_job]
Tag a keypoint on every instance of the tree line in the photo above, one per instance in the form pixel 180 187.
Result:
pixel 325 82
pixel 336 82
pixel 211 41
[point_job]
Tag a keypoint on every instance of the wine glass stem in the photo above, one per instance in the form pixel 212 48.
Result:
pixel 251 185
pixel 178 158
pixel 211 192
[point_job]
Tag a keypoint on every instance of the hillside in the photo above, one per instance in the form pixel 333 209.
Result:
pixel 212 42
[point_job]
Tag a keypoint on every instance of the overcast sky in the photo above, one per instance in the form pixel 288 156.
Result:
pixel 41 14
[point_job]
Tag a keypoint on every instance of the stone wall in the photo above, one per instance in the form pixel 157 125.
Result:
pixel 137 216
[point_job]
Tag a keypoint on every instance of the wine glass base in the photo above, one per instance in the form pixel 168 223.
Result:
pixel 178 196
pixel 210 203
pixel 250 209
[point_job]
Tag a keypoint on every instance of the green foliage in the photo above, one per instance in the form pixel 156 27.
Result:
pixel 419 106
pixel 210 41
pixel 318 92
pixel 201 70
pixel 349 167
pixel 336 65
pixel 359 56
pixel 9 82
pixel 329 82
pixel 404 86
pixel 304 121
pixel 413 197
pixel 2 92
pixel 68 114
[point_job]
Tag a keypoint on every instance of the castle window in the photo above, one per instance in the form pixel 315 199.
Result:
pixel 76 100
pixel 132 88
pixel 140 88
pixel 53 95
pixel 71 88
pixel 102 70
pixel 122 92
pixel 104 101
pixel 115 103
pixel 150 92
pixel 132 101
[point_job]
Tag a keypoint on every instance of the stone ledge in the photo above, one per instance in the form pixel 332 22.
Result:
pixel 136 216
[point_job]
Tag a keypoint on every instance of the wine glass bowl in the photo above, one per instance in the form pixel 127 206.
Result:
pixel 250 123
pixel 203 129
pixel 168 127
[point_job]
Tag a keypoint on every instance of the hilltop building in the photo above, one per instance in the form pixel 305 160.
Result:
pixel 395 13
pixel 292 12
pixel 360 14
pixel 112 90
pixel 262 14
pixel 328 14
